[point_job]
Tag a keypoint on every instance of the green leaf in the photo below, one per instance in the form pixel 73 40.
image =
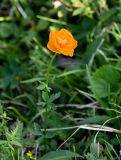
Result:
pixel 42 104
pixel 94 149
pixel 41 87
pixel 54 97
pixel 11 73
pixel 75 2
pixel 95 119
pixel 5 29
pixel 59 155
pixel 15 135
pixel 32 80
pixel 108 73
pixel 42 25
pixel 100 87
pixel 45 96
pixel 118 65
pixel 78 11
pixel 105 81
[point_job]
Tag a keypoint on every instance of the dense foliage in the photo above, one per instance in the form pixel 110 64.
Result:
pixel 54 107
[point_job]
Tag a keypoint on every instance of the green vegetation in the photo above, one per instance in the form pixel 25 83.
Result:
pixel 54 107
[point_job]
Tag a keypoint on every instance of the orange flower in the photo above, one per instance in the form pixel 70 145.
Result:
pixel 62 42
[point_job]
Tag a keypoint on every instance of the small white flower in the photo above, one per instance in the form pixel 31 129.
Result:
pixel 57 4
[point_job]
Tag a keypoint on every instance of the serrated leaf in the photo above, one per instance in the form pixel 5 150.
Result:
pixel 15 135
pixel 18 130
pixel 54 97
pixel 105 80
pixel 41 87
pixel 45 96
pixel 100 88
pixel 108 73
pixel 59 155
pixel 42 103
pixel 16 143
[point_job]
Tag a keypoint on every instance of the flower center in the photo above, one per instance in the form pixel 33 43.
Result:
pixel 62 41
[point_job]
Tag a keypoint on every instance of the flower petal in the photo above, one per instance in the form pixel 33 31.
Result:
pixel 51 47
pixel 68 51
pixel 52 41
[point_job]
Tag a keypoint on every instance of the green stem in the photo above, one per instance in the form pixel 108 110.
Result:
pixel 46 109
pixel 46 122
